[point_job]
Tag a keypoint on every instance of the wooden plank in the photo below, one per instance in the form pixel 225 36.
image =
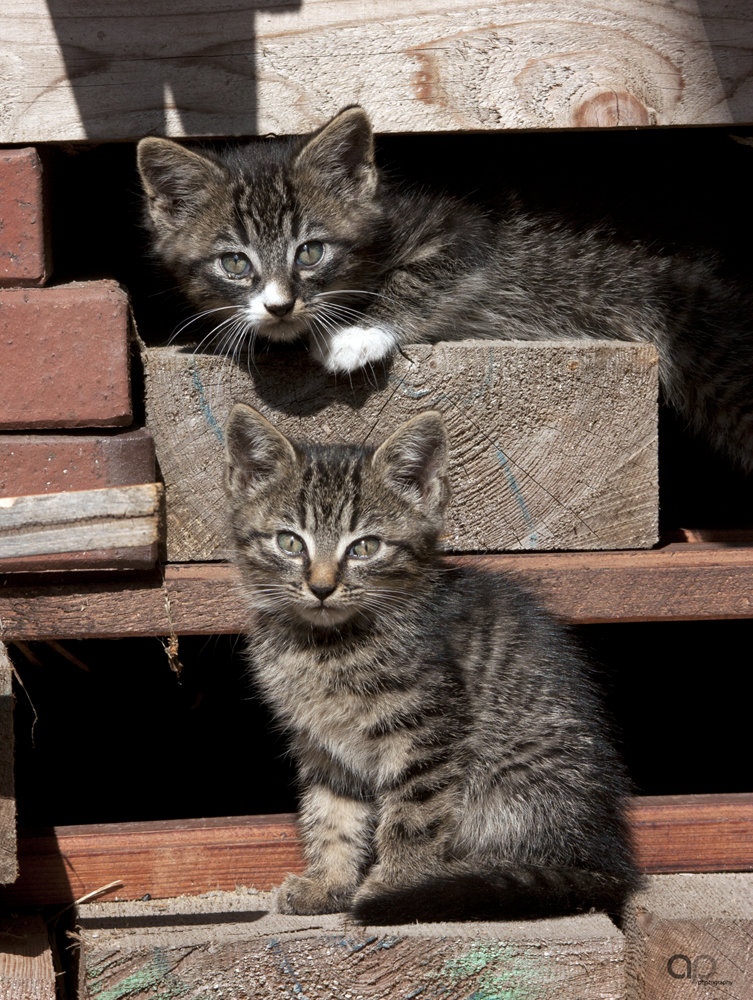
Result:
pixel 170 858
pixel 53 463
pixel 553 444
pixel 167 858
pixel 690 935
pixel 232 945
pixel 693 833
pixel 679 582
pixel 71 71
pixel 26 966
pixel 8 858
pixel 80 520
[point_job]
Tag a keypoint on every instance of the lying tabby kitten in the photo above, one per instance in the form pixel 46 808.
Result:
pixel 303 237
pixel 452 752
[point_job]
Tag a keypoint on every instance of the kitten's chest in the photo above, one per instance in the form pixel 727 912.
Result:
pixel 350 722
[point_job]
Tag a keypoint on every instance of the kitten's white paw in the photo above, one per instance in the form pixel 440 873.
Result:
pixel 352 347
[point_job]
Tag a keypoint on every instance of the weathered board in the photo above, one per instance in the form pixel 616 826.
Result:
pixel 230 945
pixel 690 935
pixel 171 857
pixel 677 582
pixel 8 855
pixel 553 444
pixel 26 966
pixel 79 521
pixel 73 70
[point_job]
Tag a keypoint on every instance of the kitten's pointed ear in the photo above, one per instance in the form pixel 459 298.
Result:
pixel 340 156
pixel 255 451
pixel 414 461
pixel 176 180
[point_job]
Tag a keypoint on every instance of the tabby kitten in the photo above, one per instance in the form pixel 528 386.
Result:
pixel 452 753
pixel 304 237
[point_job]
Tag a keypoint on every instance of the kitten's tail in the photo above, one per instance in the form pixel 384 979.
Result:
pixel 502 892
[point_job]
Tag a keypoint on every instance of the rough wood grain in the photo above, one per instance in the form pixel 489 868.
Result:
pixel 690 935
pixel 553 444
pixel 169 858
pixel 679 582
pixel 73 71
pixel 113 517
pixel 231 945
pixel 8 857
pixel 26 966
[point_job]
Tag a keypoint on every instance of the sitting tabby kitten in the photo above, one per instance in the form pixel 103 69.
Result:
pixel 452 752
pixel 303 237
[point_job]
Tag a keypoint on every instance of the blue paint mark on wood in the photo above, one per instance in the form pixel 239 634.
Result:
pixel 287 968
pixel 504 464
pixel 408 390
pixel 205 408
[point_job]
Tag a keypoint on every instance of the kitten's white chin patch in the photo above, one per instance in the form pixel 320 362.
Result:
pixel 352 347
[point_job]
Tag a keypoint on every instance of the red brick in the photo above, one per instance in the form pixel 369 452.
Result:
pixel 24 246
pixel 56 463
pixel 64 357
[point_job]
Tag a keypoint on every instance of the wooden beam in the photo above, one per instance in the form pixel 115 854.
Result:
pixel 678 582
pixel 553 444
pixel 690 935
pixel 80 520
pixel 234 945
pixel 693 833
pixel 675 833
pixel 71 70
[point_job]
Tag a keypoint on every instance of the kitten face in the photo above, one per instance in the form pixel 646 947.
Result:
pixel 272 236
pixel 331 533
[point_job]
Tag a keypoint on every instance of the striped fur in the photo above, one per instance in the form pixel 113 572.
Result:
pixel 401 267
pixel 452 753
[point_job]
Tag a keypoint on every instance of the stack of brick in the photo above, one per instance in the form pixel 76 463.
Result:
pixel 65 390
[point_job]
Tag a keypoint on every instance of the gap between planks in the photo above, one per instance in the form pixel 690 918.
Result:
pixel 683 833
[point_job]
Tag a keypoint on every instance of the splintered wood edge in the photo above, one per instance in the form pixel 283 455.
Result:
pixel 120 517
pixel 694 833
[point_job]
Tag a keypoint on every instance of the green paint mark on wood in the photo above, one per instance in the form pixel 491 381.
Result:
pixel 491 971
pixel 157 972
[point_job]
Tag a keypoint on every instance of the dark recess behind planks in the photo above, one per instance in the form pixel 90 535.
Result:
pixel 127 741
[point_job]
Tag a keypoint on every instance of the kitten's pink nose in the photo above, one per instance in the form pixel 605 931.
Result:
pixel 279 309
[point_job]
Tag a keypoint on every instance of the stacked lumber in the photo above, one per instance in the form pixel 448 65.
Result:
pixel 64 366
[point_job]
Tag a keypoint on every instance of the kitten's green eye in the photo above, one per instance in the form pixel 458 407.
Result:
pixel 290 543
pixel 237 265
pixel 364 547
pixel 309 254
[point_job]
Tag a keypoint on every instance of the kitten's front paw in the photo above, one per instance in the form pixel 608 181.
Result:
pixel 300 894
pixel 352 347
